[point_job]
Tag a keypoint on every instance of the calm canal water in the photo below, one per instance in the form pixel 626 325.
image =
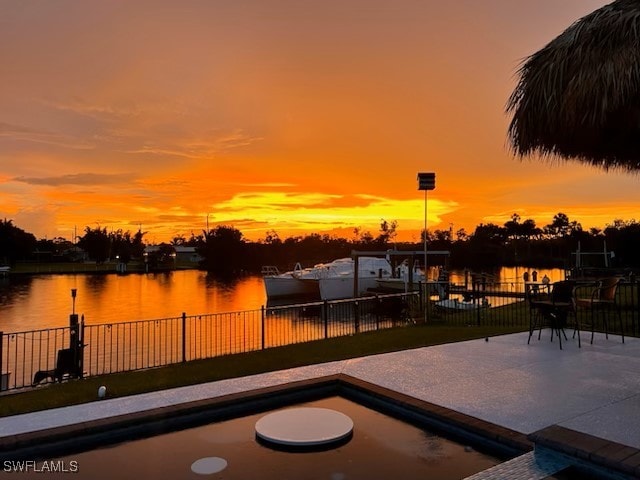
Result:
pixel 44 301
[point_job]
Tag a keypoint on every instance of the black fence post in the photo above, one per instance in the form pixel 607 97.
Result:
pixel 356 316
pixel 75 344
pixel 81 349
pixel 476 299
pixel 262 324
pixel 1 357
pixel 633 314
pixel 184 337
pixel 325 318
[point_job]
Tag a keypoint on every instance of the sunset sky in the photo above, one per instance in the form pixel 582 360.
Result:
pixel 289 115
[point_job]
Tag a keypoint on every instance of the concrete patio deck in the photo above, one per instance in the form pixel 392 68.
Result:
pixel 593 390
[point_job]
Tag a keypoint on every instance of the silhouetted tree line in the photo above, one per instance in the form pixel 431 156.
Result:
pixel 516 242
pixel 227 253
pixel 15 243
pixel 96 244
pixel 101 246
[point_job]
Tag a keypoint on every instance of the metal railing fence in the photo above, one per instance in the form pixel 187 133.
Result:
pixel 33 357
pixel 506 305
pixel 125 346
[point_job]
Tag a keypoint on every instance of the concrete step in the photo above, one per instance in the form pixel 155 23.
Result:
pixel 530 466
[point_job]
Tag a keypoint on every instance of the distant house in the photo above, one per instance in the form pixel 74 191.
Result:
pixel 187 255
pixel 183 255
pixel 149 249
pixel 75 254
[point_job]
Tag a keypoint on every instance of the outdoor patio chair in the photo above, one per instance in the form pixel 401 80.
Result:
pixel 603 300
pixel 64 365
pixel 553 310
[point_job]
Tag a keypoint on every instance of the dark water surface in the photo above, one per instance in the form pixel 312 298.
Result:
pixel 381 448
pixel 44 301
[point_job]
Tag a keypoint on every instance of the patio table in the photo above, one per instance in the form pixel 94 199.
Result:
pixel 553 309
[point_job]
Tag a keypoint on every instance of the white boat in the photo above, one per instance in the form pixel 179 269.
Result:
pixel 401 280
pixel 297 282
pixel 336 279
pixel 328 281
pixel 400 283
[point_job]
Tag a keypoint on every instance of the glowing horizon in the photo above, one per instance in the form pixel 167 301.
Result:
pixel 298 118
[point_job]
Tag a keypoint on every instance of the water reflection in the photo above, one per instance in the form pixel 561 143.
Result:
pixel 33 302
pixel 508 276
pixel 381 447
pixel 11 289
pixel 163 279
pixel 95 283
pixel 223 284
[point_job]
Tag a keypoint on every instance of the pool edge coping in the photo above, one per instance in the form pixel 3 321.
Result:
pixel 589 448
pixel 603 453
pixel 235 404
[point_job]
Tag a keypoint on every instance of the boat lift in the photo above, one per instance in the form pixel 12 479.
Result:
pixel 587 264
pixel 392 255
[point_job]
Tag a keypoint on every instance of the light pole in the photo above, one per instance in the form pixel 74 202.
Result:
pixel 426 181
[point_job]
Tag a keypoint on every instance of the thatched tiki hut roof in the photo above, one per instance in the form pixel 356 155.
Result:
pixel 579 97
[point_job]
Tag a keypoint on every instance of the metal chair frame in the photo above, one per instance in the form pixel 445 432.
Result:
pixel 603 299
pixel 554 307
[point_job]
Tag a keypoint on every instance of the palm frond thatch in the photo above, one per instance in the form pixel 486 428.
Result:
pixel 579 96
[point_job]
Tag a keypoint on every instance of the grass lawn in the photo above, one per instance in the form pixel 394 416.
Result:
pixel 232 366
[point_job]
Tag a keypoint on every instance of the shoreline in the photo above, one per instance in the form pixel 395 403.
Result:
pixel 88 268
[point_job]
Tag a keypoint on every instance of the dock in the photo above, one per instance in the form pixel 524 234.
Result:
pixel 484 292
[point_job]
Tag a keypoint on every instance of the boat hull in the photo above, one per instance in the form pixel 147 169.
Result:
pixel 440 289
pixel 289 286
pixel 397 285
pixel 338 288
pixel 329 281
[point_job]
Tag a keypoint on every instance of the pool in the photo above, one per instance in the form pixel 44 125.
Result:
pixel 381 447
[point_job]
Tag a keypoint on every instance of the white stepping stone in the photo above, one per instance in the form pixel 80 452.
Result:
pixel 208 465
pixel 304 427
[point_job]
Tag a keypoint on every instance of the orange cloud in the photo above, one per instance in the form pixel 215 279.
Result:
pixel 294 117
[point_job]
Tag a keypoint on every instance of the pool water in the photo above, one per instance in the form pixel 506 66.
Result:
pixel 381 447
